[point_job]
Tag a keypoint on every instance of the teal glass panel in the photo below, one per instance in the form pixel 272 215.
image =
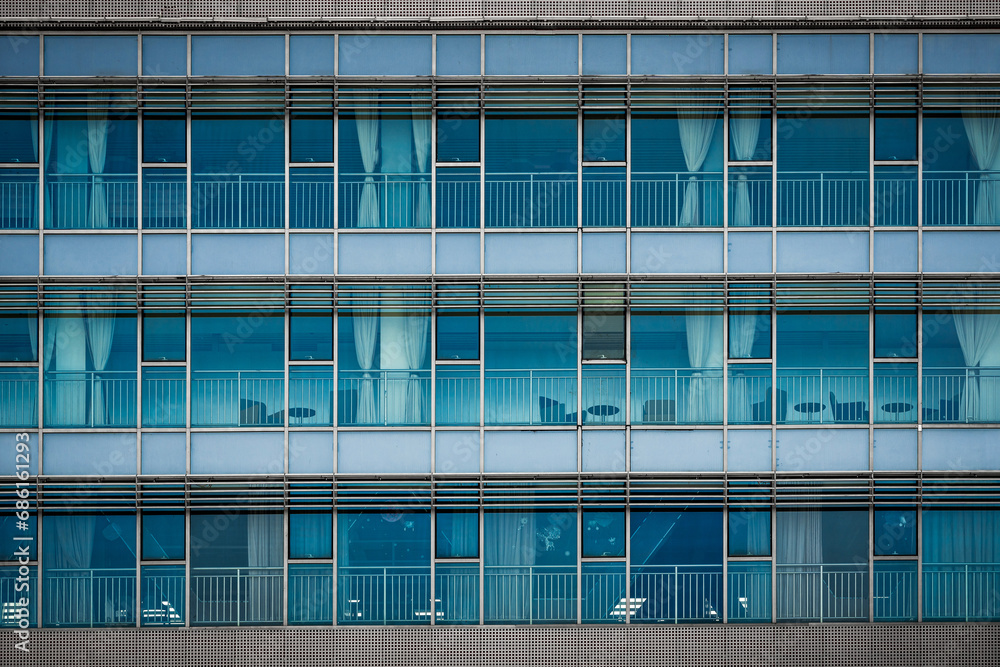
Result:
pixel 163 536
pixel 603 533
pixel 894 589
pixel 749 334
pixel 14 537
pixel 19 389
pixel 18 336
pixel 19 206
pixel 961 565
pixel 895 196
pixel 20 133
pixel 749 532
pixel 605 195
pixel 458 335
pixel 311 137
pixel 604 137
pixel 310 395
pixel 458 136
pixel 749 592
pixel 895 531
pixel 895 332
pixel 749 135
pixel 602 589
pixel 310 335
pixel 750 196
pixel 895 135
pixel 11 597
pixel 603 393
pixel 310 535
pixel 957 187
pixel 457 534
pixel 161 590
pixel 896 394
pixel 457 395
pixel 163 336
pixel 750 395
pixel 164 139
pixel 456 589
pixel 164 396
pixel 311 198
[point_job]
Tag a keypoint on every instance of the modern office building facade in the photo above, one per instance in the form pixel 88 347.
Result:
pixel 500 333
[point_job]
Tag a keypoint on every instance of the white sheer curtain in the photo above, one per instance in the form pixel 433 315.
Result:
pixel 365 323
pixel 100 333
pixel 799 542
pixel 696 130
pixel 33 336
pixel 982 126
pixel 416 329
pixel 97 150
pixel 72 542
pixel 744 129
pixel 742 331
pixel 262 587
pixel 69 355
pixel 509 551
pixel 962 536
pixel 704 355
pixel 396 151
pixel 978 333
pixel 367 122
pixel 422 148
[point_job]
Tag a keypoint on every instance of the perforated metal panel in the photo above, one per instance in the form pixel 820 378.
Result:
pixel 835 645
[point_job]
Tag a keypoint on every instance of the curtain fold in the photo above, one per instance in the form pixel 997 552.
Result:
pixel 799 543
pixel 97 150
pixel 422 148
pixel 33 336
pixel 416 329
pixel 696 129
pixel 365 324
pixel 367 122
pixel 742 331
pixel 100 334
pixel 72 542
pixel 978 332
pixel 704 355
pixel 509 551
pixel 70 361
pixel 962 536
pixel 744 129
pixel 982 127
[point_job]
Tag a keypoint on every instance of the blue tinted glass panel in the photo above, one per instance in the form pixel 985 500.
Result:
pixel 19 55
pixel 164 55
pixel 457 535
pixel 310 395
pixel 686 537
pixel 749 334
pixel 896 394
pixel 677 54
pixel 457 397
pixel 817 53
pixel 163 536
pixel 750 397
pixel 895 54
pixel 9 530
pixel 605 193
pixel 602 586
pixel 961 53
pixel 458 335
pixel 951 169
pixel 749 135
pixel 385 55
pixel 603 533
pixel 164 139
pixel 310 535
pixel 530 340
pixel 532 54
pixel 164 399
pixel 162 589
pixel 20 385
pixel 383 539
pixel 750 54
pixel 458 55
pixel 604 137
pixel 895 532
pixel 311 137
pixel 310 335
pixel 19 210
pixel 895 135
pixel 749 532
pixel 604 54
pixel 237 55
pixel 20 138
pixel 311 55
pixel 458 136
pixel 749 592
pixel 961 536
pixel 895 333
pixel 821 536
pixel 91 55
pixel 18 336
pixel 894 590
pixel 163 336
pixel 237 340
pixel 832 339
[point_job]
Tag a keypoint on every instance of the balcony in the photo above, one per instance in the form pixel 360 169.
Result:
pixel 658 199
pixel 89 597
pixel 456 588
pixel 749 592
pixel 824 395
pixel 961 592
pixel 677 396
pixel 18 398
pixel 310 594
pixel 237 201
pixel 822 593
pixel 385 201
pixel 894 591
pixel 309 392
pixel 236 596
pixel 531 200
pixel 961 395
pixel 750 196
pixel 384 398
pixel 457 397
pixel 71 205
pixel 518 397
pixel 19 194
pixel 677 593
pixel 384 595
pixel 311 198
pixel 237 398
pixel 529 594
pixel 162 591
pixel 822 199
pixel 164 199
pixel 88 399
pixel 458 198
pixel 164 397
pixel 961 197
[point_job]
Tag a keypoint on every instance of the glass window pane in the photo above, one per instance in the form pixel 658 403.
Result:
pixel 18 336
pixel 310 335
pixel 20 138
pixel 603 533
pixel 163 336
pixel 749 334
pixel 458 335
pixel 895 532
pixel 310 535
pixel 749 135
pixel 310 593
pixel 604 333
pixel 604 137
pixel 602 587
pixel 164 139
pixel 895 135
pixel 458 136
pixel 457 535
pixel 163 536
pixel 458 198
pixel 311 137
pixel 895 333
pixel 310 207
pixel 749 532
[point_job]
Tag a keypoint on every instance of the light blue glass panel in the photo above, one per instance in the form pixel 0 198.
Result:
pixel 457 589
pixel 164 55
pixel 602 587
pixel 311 55
pixel 385 55
pixel 458 200
pixel 895 53
pixel 604 54
pixel 675 451
pixel 237 453
pixel 529 564
pixel 603 451
pixel 959 448
pixel 164 254
pixel 816 449
pixel 961 251
pixel 310 254
pixel 310 452
pixel 310 535
pixel 817 53
pixel 894 589
pixel 383 567
pixel 961 53
pixel 533 55
pixel 749 252
pixel 676 565
pixel 458 55
pixel 749 532
pixel 237 254
pixel 164 397
pixel 531 451
pixel 164 454
pixel 750 54
pixel 91 55
pixel 456 451
pixel 457 253
pixel 960 568
pixel 236 568
pixel 531 253
pixel 162 590
pixel 18 397
pixel 895 252
pixel 18 55
pixel 163 536
pixel 164 203
pixel 676 252
pixel 833 252
pixel 310 594
pixel 748 450
pixel 457 534
pixel 91 255
pixel 603 252
pixel 99 591
pixel 749 592
pixel 677 54
pixel 237 55
pixel 895 449
pixel 375 254
pixel 10 597
pixel 383 452
pixel 19 205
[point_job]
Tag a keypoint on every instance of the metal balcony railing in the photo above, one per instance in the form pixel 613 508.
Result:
pixel 457 200
pixel 961 394
pixel 676 593
pixel 311 200
pixel 236 596
pixel 531 200
pixel 398 198
pixel 749 199
pixel 164 199
pixel 961 591
pixel 90 399
pixel 237 201
pixel 811 392
pixel 895 200
pixel 237 398
pixel 10 611
pixel 310 400
pixel 310 594
pixel 384 398
pixel 821 593
pixel 953 198
pixel 749 595
pixel 384 595
pixel 603 595
pixel 530 397
pixel 68 201
pixel 456 588
pixel 894 591
pixel 164 398
pixel 18 199
pixel 658 199
pixel 529 594
pixel 89 597
pixel 604 201
pixel 457 398
pixel 162 595
pixel 677 396
pixel 822 199
pixel 603 398
pixel 18 402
